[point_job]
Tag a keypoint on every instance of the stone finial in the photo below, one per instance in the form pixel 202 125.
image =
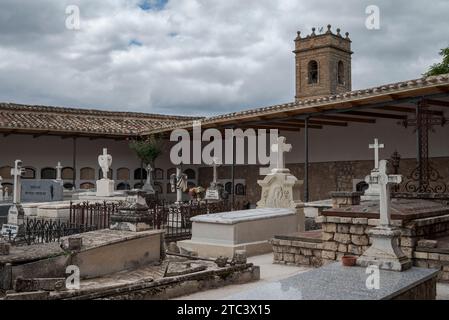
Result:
pixel 298 37
pixel 313 32
pixel 329 29
pixel 347 35
pixel 338 32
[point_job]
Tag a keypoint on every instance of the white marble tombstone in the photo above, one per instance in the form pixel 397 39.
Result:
pixel 105 186
pixel 385 251
pixel 280 189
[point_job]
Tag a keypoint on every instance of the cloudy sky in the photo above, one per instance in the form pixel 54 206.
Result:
pixel 198 56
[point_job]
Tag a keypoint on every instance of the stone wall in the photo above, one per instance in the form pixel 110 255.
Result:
pixel 425 258
pixel 349 236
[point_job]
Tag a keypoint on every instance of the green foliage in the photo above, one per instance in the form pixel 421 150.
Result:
pixel 148 150
pixel 440 68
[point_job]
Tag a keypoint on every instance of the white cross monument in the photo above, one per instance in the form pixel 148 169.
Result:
pixel 213 192
pixel 280 148
pixel 373 192
pixel 16 214
pixel 376 146
pixel 59 172
pixel 148 186
pixel 385 251
pixel 1 189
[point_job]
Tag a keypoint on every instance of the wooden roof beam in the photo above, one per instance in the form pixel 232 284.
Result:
pixel 347 119
pixel 317 122
pixel 411 110
pixel 377 115
pixel 438 103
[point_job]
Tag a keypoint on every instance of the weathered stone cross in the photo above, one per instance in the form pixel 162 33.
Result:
pixel 215 163
pixel 58 171
pixel 280 147
pixel 384 181
pixel 376 146
pixel 17 172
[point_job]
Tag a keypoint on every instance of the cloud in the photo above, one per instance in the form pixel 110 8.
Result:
pixel 198 56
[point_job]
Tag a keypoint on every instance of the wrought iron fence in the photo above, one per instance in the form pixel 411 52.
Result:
pixel 92 216
pixel 86 217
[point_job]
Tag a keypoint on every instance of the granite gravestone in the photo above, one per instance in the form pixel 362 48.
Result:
pixel 42 191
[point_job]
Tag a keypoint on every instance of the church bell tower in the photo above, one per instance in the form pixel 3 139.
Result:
pixel 323 64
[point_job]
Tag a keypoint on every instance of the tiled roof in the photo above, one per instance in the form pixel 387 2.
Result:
pixel 18 117
pixel 326 102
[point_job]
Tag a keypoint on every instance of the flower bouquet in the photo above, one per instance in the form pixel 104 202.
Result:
pixel 197 193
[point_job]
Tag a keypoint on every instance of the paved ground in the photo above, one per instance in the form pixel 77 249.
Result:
pixel 272 272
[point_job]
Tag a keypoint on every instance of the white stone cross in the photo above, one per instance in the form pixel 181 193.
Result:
pixel 105 161
pixel 58 172
pixel 216 162
pixel 1 189
pixel 280 147
pixel 384 181
pixel 149 174
pixel 376 146
pixel 17 172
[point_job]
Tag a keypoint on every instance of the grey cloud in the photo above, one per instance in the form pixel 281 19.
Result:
pixel 199 56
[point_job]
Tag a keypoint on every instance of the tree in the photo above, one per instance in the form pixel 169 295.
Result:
pixel 440 68
pixel 148 149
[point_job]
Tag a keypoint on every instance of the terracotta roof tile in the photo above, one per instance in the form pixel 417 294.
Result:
pixel 41 118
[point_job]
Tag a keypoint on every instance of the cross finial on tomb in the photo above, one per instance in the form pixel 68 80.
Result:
pixel 385 182
pixel 376 146
pixel 58 171
pixel 280 147
pixel 216 162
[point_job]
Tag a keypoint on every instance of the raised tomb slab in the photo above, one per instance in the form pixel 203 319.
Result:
pixel 224 233
pixel 335 282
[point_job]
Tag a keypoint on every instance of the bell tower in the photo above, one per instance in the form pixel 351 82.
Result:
pixel 323 64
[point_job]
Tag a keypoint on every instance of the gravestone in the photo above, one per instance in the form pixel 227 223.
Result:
pixel 148 186
pixel 385 251
pixel 42 191
pixel 373 191
pixel 105 186
pixel 215 191
pixel 16 215
pixel 280 189
pixel 1 189
pixel 133 215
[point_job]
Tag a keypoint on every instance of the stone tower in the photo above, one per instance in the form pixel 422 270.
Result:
pixel 323 64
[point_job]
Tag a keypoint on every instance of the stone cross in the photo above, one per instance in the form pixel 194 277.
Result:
pixel 1 189
pixel 17 172
pixel 149 183
pixel 376 146
pixel 149 174
pixel 58 172
pixel 385 182
pixel 105 161
pixel 280 147
pixel 215 163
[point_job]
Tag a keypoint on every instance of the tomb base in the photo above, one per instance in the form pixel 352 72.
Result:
pixel 224 233
pixel 336 282
pixel 105 188
pixel 385 251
